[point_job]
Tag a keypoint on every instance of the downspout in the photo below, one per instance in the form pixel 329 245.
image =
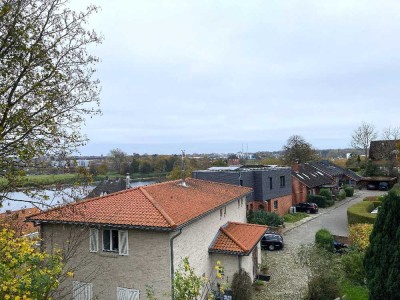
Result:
pixel 171 246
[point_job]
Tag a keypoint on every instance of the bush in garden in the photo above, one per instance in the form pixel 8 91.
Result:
pixel 349 190
pixel 342 195
pixel 359 235
pixel 264 218
pixel 326 193
pixel 317 199
pixel 324 239
pixel 241 285
pixel 323 286
pixel 353 267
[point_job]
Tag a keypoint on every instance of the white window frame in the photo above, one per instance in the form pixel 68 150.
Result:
pixel 82 290
pixel 127 294
pixel 123 241
pixel 93 240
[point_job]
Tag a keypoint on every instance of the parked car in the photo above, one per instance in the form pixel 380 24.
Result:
pixel 372 186
pixel 272 241
pixel 383 186
pixel 307 207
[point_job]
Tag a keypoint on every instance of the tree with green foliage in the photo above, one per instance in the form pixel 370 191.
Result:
pixel 298 150
pixel 47 87
pixel 382 257
pixel 241 285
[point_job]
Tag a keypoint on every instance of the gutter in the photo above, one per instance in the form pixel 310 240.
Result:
pixel 171 247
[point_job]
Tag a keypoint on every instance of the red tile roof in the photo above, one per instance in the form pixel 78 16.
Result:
pixel 15 220
pixel 237 238
pixel 165 205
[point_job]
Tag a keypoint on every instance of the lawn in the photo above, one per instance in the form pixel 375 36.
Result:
pixel 291 218
pixel 354 292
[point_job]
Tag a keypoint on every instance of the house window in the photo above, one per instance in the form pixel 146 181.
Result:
pixel 241 182
pixel 127 294
pixel 276 204
pixel 225 211
pixel 115 241
pixel 270 183
pixel 282 181
pixel 220 213
pixel 82 290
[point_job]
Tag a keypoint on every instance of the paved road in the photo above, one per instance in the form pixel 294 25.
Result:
pixel 334 219
pixel 288 278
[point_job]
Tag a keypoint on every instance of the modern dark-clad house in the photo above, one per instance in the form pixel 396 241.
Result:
pixel 272 185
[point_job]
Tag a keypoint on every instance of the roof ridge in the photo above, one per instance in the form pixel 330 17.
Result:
pixel 158 207
pixel 249 224
pixel 233 239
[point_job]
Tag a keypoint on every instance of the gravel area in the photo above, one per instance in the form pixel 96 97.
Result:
pixel 288 278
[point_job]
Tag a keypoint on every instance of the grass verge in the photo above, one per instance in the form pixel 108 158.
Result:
pixel 291 218
pixel 354 292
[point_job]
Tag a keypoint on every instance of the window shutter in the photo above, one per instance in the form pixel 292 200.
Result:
pixel 81 291
pixel 94 239
pixel 127 294
pixel 123 242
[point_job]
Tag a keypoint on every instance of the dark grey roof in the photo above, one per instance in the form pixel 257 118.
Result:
pixel 333 170
pixel 311 176
pixel 108 186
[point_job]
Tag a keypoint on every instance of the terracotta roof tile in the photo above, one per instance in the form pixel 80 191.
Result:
pixel 164 205
pixel 237 238
pixel 15 220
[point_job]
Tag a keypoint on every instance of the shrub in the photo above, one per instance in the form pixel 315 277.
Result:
pixel 317 199
pixel 323 286
pixel 264 218
pixel 360 213
pixel 329 203
pixel 342 195
pixel 241 285
pixel 326 193
pixel 349 190
pixel 396 186
pixel 359 235
pixel 353 267
pixel 324 239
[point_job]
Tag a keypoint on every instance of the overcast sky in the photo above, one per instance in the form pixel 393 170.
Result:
pixel 211 76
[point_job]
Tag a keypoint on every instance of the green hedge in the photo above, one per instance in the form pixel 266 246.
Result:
pixel 264 218
pixel 349 190
pixel 342 195
pixel 324 239
pixel 361 213
pixel 317 199
pixel 326 193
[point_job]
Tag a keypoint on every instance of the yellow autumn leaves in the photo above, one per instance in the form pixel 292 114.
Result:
pixel 26 272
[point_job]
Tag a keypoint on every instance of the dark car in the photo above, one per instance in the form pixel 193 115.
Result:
pixel 307 207
pixel 383 186
pixel 272 241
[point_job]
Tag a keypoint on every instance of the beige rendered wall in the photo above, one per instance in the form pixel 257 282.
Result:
pixel 198 236
pixel 148 262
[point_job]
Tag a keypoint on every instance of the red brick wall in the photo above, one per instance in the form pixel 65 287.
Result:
pixel 284 203
pixel 299 191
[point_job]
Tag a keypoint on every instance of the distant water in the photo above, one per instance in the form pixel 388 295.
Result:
pixel 55 198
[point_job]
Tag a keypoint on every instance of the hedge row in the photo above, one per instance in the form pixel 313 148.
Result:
pixel 321 201
pixel 361 213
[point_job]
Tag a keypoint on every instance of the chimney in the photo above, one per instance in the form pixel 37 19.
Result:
pixel 128 181
pixel 183 169
pixel 295 165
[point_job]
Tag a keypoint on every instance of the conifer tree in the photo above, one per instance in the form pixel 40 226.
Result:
pixel 382 258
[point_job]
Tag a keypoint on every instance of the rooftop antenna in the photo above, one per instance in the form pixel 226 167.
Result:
pixel 183 168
